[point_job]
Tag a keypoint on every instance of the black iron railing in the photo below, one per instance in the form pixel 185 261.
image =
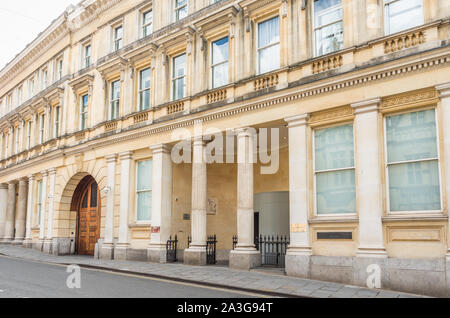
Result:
pixel 211 245
pixel 171 249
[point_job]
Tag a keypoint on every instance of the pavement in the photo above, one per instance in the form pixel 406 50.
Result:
pixel 234 283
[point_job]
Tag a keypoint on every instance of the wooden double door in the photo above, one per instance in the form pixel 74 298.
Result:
pixel 88 219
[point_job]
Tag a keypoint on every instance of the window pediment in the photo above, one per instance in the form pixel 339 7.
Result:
pixel 221 18
pixel 112 67
pixel 81 82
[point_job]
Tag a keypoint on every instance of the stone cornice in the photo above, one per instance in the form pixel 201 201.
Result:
pixel 416 63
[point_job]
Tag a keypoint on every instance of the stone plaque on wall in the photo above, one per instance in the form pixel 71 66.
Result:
pixel 212 206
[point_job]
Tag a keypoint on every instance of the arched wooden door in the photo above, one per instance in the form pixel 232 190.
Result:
pixel 88 219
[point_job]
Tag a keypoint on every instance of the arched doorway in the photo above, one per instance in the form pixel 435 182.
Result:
pixel 88 206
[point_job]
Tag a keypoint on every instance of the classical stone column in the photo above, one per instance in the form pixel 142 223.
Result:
pixel 369 187
pixel 107 248
pixel 10 213
pixel 40 243
pixel 196 253
pixel 161 203
pixel 51 194
pixel 30 204
pixel 245 256
pixel 299 251
pixel 120 252
pixel 21 212
pixel 444 94
pixel 3 208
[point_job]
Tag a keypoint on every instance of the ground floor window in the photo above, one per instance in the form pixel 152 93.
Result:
pixel 334 169
pixel 144 191
pixel 413 162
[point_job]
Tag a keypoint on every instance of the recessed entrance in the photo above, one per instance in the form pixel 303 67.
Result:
pixel 87 199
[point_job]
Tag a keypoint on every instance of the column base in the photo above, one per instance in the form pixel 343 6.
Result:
pixel 298 262
pixel 18 241
pixel 106 251
pixel 245 259
pixel 7 240
pixel 28 243
pixel 195 255
pixel 39 245
pixel 121 252
pixel 47 247
pixel 157 254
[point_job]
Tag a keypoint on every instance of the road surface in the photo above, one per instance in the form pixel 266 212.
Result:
pixel 26 279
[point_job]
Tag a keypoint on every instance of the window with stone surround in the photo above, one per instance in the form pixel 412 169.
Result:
pixel 181 9
pixel 114 100
pixel 328 26
pixel 84 103
pixel 334 170
pixel 400 15
pixel 39 203
pixel 41 128
pixel 179 77
pixel 269 45
pixel 56 121
pixel 117 38
pixel 144 89
pixel 147 23
pixel 144 190
pixel 412 162
pixel 219 62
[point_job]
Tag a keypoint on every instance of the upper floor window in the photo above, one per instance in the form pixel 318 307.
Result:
pixel 219 63
pixel 31 87
pixel 56 121
pixel 328 26
pixel 269 45
pixel 29 134
pixel 144 190
pixel 402 14
pixel 181 9
pixel 44 79
pixel 412 158
pixel 118 38
pixel 39 203
pixel 179 77
pixel 59 68
pixel 334 170
pixel 144 89
pixel 114 100
pixel 41 128
pixel 87 55
pixel 84 111
pixel 147 23
pixel 20 95
pixel 9 102
pixel 16 140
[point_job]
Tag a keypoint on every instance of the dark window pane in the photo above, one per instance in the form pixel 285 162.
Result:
pixel 84 204
pixel 94 195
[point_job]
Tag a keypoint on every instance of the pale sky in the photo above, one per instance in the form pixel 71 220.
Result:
pixel 22 20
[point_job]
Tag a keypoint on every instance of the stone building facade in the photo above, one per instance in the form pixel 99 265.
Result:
pixel 355 94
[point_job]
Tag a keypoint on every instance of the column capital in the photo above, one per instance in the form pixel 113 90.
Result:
pixel 198 140
pixel 51 171
pixel 297 120
pixel 111 158
pixel 160 148
pixel 31 177
pixel 3 186
pixel 127 155
pixel 366 106
pixel 12 183
pixel 443 90
pixel 23 181
pixel 243 132
pixel 44 173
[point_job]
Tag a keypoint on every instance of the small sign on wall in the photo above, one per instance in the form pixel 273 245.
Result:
pixel 212 206
pixel 298 228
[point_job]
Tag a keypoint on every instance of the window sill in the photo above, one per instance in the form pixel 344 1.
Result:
pixel 139 225
pixel 415 217
pixel 334 219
